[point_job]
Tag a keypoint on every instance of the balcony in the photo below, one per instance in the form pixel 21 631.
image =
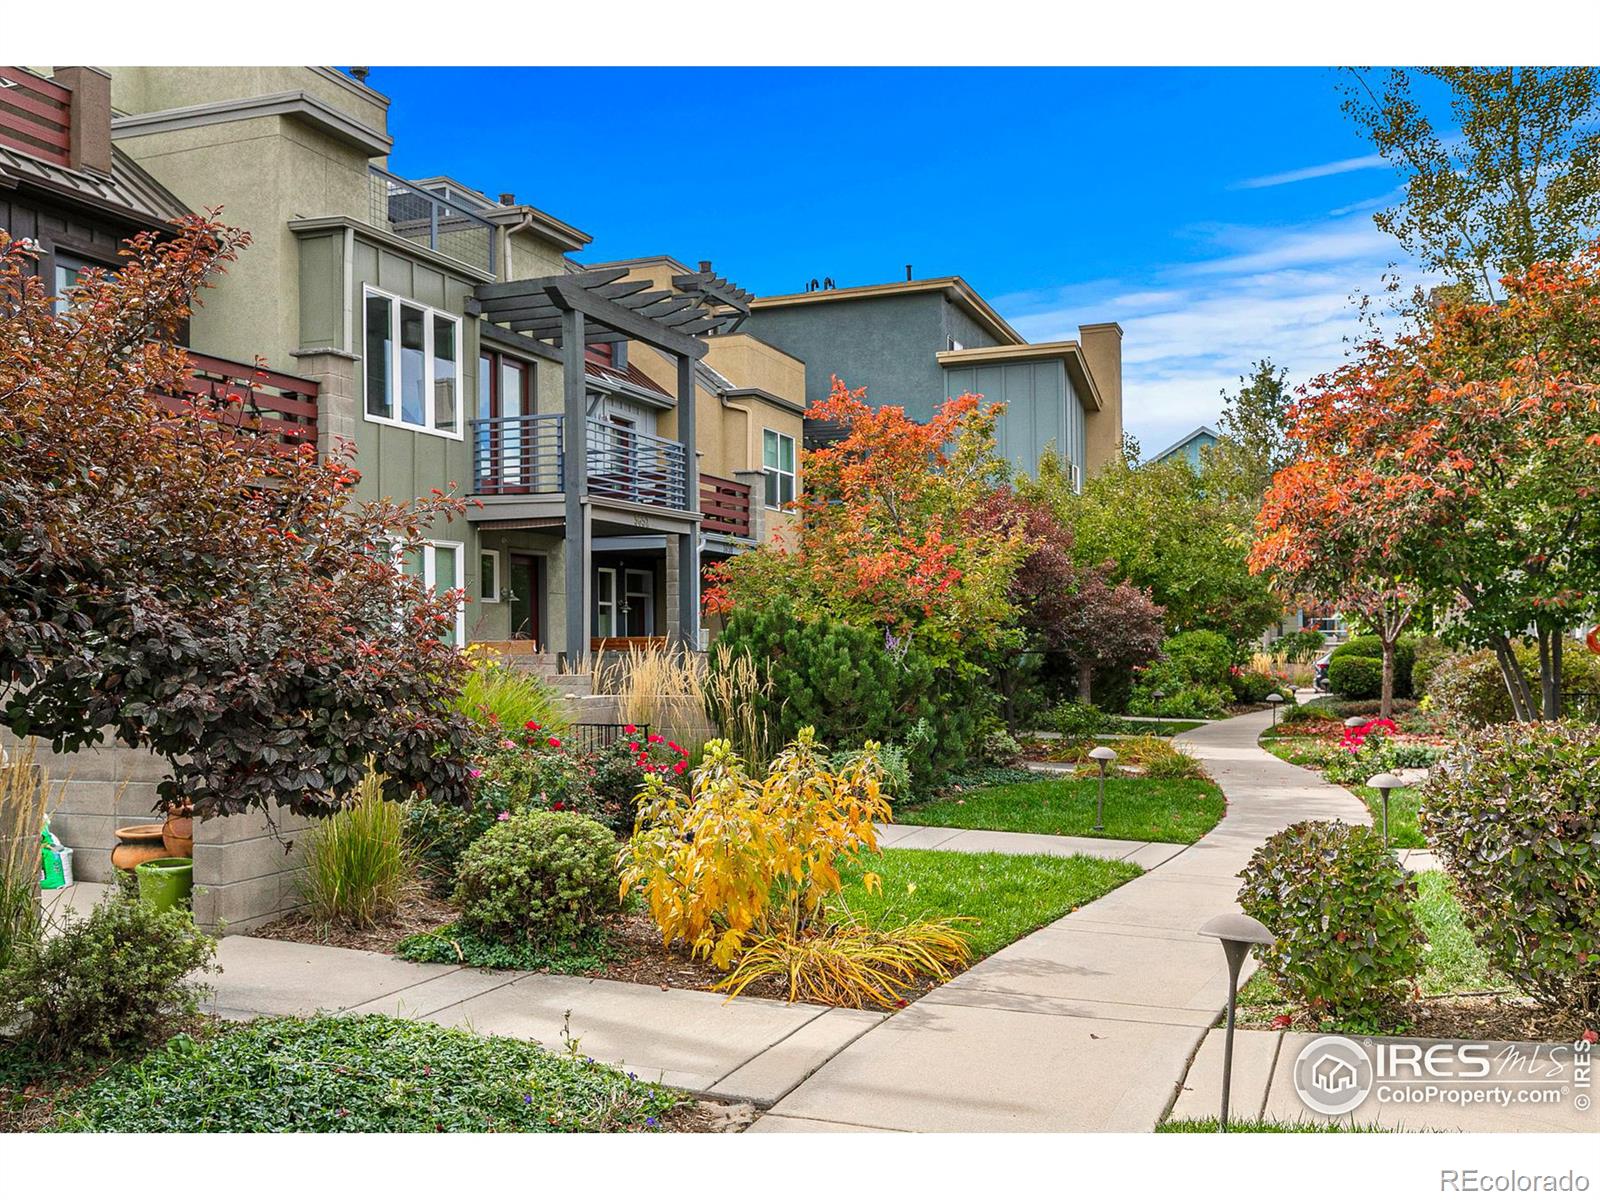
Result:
pixel 417 215
pixel 725 504
pixel 526 455
pixel 281 407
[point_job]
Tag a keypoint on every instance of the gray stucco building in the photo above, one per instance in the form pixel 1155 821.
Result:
pixel 918 342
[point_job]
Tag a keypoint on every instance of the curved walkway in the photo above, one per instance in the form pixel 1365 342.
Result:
pixel 1091 1022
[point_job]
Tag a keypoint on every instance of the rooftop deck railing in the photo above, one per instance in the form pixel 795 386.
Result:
pixel 517 455
pixel 428 219
pixel 725 505
pixel 282 407
pixel 521 455
pixel 625 464
pixel 35 116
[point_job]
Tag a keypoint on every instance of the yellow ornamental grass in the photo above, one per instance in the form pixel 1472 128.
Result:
pixel 737 854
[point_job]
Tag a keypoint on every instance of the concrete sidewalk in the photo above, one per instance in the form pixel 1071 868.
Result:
pixel 1089 1023
pixel 987 841
pixel 743 1049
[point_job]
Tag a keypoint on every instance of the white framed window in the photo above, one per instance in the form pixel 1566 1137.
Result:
pixel 777 461
pixel 440 567
pixel 412 364
pixel 489 576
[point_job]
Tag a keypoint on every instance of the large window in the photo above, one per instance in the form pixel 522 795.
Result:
pixel 412 365
pixel 777 460
pixel 439 566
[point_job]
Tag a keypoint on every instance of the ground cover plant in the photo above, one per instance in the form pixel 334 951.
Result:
pixel 370 1074
pixel 1144 810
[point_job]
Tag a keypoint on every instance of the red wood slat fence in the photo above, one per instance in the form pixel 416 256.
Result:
pixel 35 116
pixel 282 406
pixel 725 506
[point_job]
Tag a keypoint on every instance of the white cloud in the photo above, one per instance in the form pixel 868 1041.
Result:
pixel 1189 331
pixel 1343 166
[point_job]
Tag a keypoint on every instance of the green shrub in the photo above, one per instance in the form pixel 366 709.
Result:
pixel 538 877
pixel 1193 702
pixel 356 862
pixel 105 982
pixel 1339 905
pixel 498 696
pixel 1514 816
pixel 1356 677
pixel 1369 646
pixel 1072 720
pixel 1468 690
pixel 1253 687
pixel 1199 656
pixel 1192 674
pixel 894 771
pixel 1427 654
pixel 615 781
pixel 853 685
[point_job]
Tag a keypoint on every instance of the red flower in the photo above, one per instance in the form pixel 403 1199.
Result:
pixel 654 739
pixel 535 726
pixel 677 768
pixel 634 746
pixel 674 747
pixel 630 730
pixel 555 742
pixel 557 806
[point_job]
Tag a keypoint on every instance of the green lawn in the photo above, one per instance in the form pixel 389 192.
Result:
pixel 1209 1125
pixel 1161 728
pixel 362 1074
pixel 1405 828
pixel 1307 752
pixel 1140 810
pixel 1451 963
pixel 1011 895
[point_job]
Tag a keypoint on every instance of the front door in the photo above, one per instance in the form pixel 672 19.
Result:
pixel 524 584
pixel 639 604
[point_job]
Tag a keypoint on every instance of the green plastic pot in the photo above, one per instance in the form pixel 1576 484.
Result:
pixel 165 882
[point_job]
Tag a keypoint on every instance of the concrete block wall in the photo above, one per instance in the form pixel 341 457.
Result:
pixel 246 872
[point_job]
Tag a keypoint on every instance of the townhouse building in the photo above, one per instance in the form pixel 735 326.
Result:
pixel 916 342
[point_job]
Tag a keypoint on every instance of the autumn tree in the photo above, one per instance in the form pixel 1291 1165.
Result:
pixel 1518 181
pixel 177 582
pixel 1464 457
pixel 1161 530
pixel 1253 443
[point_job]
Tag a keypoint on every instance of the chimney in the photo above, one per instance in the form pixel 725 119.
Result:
pixel 1102 352
pixel 705 266
pixel 359 74
pixel 90 116
pixel 507 199
pixel 908 272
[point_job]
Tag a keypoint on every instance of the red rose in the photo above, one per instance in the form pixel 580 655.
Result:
pixel 654 739
pixel 677 768
pixel 555 742
pixel 535 726
pixel 630 730
pixel 634 746
pixel 674 747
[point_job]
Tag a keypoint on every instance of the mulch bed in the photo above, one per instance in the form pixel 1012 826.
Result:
pixel 1485 1017
pixel 638 955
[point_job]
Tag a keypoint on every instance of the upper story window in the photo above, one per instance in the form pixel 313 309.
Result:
pixel 777 461
pixel 412 364
pixel 69 270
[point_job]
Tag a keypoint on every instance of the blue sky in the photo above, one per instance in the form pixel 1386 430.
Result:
pixel 1219 214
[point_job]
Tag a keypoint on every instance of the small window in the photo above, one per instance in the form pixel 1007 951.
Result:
pixel 777 461
pixel 955 345
pixel 421 390
pixel 69 269
pixel 489 577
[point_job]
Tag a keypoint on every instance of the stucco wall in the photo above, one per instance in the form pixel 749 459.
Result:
pixel 1042 408
pixel 153 89
pixel 886 344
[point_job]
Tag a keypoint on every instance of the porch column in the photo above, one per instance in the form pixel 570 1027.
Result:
pixel 689 543
pixel 576 559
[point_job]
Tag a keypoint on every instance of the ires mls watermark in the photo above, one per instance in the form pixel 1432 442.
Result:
pixel 1335 1075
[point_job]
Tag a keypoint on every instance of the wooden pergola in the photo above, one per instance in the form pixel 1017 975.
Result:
pixel 578 309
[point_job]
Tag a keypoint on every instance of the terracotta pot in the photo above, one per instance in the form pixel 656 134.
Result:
pixel 178 836
pixel 137 844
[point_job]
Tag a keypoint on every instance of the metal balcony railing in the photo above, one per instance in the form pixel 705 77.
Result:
pixel 517 455
pixel 639 467
pixel 430 220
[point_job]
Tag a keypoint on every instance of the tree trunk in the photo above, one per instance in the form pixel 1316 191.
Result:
pixel 1516 683
pixel 1386 695
pixel 1085 684
pixel 1550 673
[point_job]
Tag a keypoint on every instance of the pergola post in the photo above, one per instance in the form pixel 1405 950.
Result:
pixel 575 547
pixel 689 543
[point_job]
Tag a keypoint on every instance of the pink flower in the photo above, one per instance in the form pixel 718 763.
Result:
pixel 507 744
pixel 505 816
pixel 630 730
pixel 555 742
pixel 475 773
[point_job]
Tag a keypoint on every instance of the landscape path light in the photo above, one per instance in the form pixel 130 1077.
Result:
pixel 1156 697
pixel 1385 782
pixel 1105 756
pixel 1274 699
pixel 1237 933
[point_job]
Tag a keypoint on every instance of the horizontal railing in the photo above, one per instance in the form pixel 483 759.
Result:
pixel 35 116
pixel 517 455
pixel 428 219
pixel 250 399
pixel 724 506
pixel 638 467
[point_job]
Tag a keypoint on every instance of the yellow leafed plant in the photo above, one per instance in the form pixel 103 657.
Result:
pixel 736 856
